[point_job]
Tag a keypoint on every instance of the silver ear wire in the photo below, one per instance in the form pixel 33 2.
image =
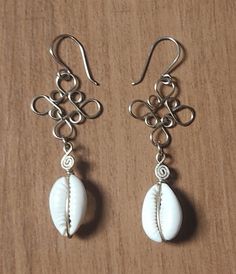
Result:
pixel 54 52
pixel 169 67
pixel 161 100
pixel 73 95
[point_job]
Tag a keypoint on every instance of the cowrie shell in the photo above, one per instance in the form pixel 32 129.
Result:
pixel 67 203
pixel 161 213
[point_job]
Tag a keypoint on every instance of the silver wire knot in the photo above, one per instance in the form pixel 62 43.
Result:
pixel 59 97
pixel 162 110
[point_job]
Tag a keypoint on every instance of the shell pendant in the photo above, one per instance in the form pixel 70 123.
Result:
pixel 161 212
pixel 68 203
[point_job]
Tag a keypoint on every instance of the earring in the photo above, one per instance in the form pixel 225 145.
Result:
pixel 161 211
pixel 68 198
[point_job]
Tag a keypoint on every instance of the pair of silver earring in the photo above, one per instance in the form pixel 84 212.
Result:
pixel 161 212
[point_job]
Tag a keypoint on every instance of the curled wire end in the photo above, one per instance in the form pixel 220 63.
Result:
pixel 96 83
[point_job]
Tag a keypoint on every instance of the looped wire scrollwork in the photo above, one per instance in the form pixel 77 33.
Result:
pixel 162 111
pixel 57 99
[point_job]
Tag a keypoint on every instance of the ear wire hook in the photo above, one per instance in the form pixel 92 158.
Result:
pixel 54 52
pixel 169 68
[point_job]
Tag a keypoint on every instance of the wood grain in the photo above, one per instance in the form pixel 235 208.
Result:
pixel 116 159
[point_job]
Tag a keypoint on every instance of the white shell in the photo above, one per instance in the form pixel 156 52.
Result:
pixel 161 213
pixel 68 191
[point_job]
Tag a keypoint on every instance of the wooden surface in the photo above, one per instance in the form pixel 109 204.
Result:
pixel 116 159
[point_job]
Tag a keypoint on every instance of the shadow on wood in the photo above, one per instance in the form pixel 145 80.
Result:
pixel 94 212
pixel 190 223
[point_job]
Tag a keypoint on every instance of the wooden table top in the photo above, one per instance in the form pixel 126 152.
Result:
pixel 115 157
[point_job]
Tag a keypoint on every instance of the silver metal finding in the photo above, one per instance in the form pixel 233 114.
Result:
pixel 67 161
pixel 170 67
pixel 162 172
pixel 162 110
pixel 68 220
pixel 54 52
pixel 66 120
